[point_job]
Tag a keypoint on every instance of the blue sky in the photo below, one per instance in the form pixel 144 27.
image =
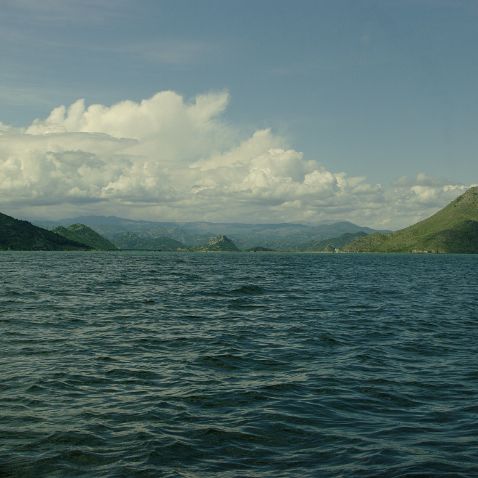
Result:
pixel 378 89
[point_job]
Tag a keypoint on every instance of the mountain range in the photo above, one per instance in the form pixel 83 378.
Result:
pixel 132 234
pixel 453 229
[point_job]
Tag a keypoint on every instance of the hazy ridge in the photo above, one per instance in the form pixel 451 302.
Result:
pixel 132 234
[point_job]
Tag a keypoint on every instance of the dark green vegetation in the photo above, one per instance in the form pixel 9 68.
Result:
pixel 453 229
pixel 22 236
pixel 85 235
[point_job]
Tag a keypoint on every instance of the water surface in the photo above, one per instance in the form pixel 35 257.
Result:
pixel 238 365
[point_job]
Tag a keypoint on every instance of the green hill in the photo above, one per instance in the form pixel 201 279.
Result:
pixel 19 235
pixel 452 229
pixel 85 235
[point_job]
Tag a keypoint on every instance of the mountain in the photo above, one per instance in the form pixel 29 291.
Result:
pixel 282 236
pixel 23 236
pixel 219 243
pixel 452 229
pixel 85 235
pixel 130 240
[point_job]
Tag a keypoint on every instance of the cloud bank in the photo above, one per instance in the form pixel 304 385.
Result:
pixel 166 158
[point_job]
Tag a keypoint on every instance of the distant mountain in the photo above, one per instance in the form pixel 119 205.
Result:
pixel 219 243
pixel 130 240
pixel 24 236
pixel 283 236
pixel 452 229
pixel 85 235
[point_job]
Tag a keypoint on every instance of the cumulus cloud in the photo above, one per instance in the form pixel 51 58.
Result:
pixel 169 158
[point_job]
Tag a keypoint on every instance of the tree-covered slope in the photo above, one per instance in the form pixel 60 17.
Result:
pixel 22 236
pixel 85 235
pixel 452 229
pixel 461 238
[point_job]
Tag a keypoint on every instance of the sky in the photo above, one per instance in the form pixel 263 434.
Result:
pixel 238 110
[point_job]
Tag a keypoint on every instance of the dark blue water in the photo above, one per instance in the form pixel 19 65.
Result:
pixel 238 365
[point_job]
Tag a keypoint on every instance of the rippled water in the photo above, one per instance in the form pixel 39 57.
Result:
pixel 238 365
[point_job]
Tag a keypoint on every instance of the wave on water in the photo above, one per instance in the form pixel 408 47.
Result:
pixel 249 289
pixel 187 365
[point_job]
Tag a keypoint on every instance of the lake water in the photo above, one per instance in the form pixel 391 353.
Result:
pixel 238 365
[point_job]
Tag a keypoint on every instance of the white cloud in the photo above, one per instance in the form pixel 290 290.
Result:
pixel 168 158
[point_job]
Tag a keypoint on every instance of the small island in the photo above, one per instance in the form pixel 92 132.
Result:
pixel 219 243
